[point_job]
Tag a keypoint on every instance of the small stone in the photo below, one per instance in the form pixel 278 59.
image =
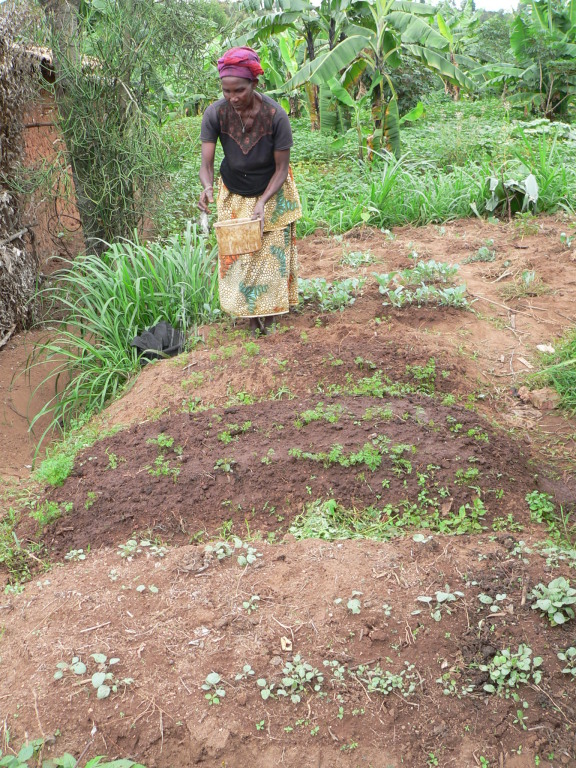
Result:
pixel 545 399
pixel 241 699
pixel 276 661
pixel 524 394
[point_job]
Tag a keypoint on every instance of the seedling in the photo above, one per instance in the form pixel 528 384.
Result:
pixel 541 506
pixel 103 680
pixel 357 258
pixel 451 687
pixel 49 511
pixel 247 672
pixel 162 468
pixel 329 413
pixel 508 670
pixel 269 456
pixel 246 554
pixel 76 667
pixel 385 682
pixel 529 284
pixel 75 554
pixel 134 547
pixel 492 601
pixel 113 460
pixel 165 442
pixel 354 605
pixel 331 296
pixel 569 658
pixel 252 604
pixel 555 600
pixel 299 676
pixel 225 465
pixel 213 687
pixel 233 431
pixel 484 254
pixel 338 673
pixel 266 689
pixel 443 602
pixel 91 498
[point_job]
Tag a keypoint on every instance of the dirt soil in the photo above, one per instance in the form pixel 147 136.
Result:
pixel 411 423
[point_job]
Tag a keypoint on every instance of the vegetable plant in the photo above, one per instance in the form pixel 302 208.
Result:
pixel 569 658
pixel 213 687
pixel 555 600
pixel 508 670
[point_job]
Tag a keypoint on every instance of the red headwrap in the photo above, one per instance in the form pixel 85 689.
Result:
pixel 240 62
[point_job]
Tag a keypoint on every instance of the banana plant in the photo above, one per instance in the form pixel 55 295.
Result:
pixel 382 31
pixel 458 30
pixel 312 27
pixel 358 109
pixel 543 41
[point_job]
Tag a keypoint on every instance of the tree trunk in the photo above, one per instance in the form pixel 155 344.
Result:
pixel 62 18
pixel 310 88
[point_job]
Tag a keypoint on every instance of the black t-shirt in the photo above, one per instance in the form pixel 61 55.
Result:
pixel 248 163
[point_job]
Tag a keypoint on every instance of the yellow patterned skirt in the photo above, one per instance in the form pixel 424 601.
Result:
pixel 265 282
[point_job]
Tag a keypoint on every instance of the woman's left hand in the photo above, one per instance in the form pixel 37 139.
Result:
pixel 259 214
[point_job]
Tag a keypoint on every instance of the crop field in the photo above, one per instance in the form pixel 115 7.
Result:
pixel 349 542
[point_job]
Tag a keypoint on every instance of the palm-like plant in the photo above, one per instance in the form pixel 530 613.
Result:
pixel 377 34
pixel 313 28
pixel 543 41
pixel 459 29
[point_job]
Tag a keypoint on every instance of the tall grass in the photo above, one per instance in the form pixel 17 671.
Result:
pixel 560 370
pixel 104 302
pixel 447 159
pixel 392 192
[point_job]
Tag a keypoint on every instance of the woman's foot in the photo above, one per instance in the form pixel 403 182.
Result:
pixel 258 326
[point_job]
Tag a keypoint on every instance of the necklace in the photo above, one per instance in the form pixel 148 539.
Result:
pixel 248 116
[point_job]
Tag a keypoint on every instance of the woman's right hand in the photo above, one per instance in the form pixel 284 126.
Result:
pixel 206 197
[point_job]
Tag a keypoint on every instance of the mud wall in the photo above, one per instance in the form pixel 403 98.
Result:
pixel 50 210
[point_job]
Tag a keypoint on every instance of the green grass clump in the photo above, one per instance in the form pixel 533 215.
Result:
pixel 104 302
pixel 330 521
pixel 560 371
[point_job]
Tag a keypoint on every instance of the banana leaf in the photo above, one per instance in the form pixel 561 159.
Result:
pixel 415 30
pixel 442 66
pixel 330 64
pixel 415 114
pixel 445 30
pixel 392 127
pixel 420 9
pixel 341 93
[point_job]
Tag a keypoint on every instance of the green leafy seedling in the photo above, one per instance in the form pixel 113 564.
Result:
pixel 508 670
pixel 556 600
pixel 213 687
pixel 569 658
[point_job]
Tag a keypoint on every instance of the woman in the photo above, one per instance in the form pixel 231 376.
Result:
pixel 255 182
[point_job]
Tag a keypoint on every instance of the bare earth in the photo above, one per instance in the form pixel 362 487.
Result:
pixel 345 607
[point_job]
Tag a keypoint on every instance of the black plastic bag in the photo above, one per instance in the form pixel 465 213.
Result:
pixel 157 342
